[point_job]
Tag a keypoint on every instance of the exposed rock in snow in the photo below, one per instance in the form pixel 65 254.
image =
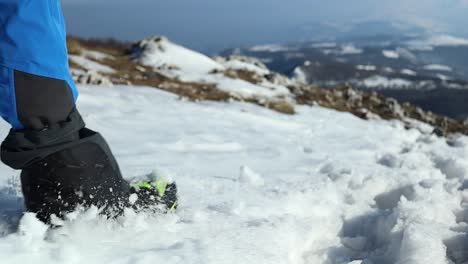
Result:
pixel 242 77
pixel 96 55
pixel 236 62
pixel 91 77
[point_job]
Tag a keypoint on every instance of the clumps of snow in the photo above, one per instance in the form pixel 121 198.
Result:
pixel 299 75
pixel 381 82
pixel 236 62
pixel 31 229
pixel 91 65
pixel 408 72
pixel 161 53
pixel 391 54
pixel 437 67
pixel 366 67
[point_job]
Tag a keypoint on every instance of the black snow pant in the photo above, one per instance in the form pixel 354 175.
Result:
pixel 63 164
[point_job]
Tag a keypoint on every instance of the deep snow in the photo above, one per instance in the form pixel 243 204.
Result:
pixel 257 186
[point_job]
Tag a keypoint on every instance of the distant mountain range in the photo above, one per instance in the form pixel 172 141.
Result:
pixel 429 70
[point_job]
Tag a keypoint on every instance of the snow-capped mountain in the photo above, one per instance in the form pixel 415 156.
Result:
pixel 417 69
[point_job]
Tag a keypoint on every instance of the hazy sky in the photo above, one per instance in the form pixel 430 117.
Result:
pixel 214 24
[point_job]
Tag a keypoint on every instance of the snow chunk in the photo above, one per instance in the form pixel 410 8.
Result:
pixel 32 228
pixel 299 75
pixel 391 54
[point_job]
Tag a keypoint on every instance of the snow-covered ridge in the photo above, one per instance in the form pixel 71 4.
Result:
pixel 175 61
pixel 159 52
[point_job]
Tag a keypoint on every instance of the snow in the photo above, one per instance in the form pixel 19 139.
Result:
pixel 246 89
pixel 299 75
pixel 366 67
pixel 432 41
pixel 346 49
pixel 447 40
pixel 258 186
pixel 320 45
pixel 235 64
pixel 187 65
pixel 437 67
pixel 269 48
pixel 159 52
pixel 350 49
pixel 378 81
pixel 91 65
pixel 391 54
pixel 408 72
pixel 97 55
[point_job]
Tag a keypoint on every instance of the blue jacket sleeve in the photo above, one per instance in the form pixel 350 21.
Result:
pixel 33 39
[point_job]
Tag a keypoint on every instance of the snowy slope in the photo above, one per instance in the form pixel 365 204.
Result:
pixel 257 186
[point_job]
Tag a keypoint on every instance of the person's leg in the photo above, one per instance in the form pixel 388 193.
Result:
pixel 63 163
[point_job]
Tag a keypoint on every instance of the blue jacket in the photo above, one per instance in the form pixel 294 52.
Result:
pixel 32 40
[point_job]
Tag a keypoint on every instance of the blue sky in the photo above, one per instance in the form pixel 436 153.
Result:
pixel 216 24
